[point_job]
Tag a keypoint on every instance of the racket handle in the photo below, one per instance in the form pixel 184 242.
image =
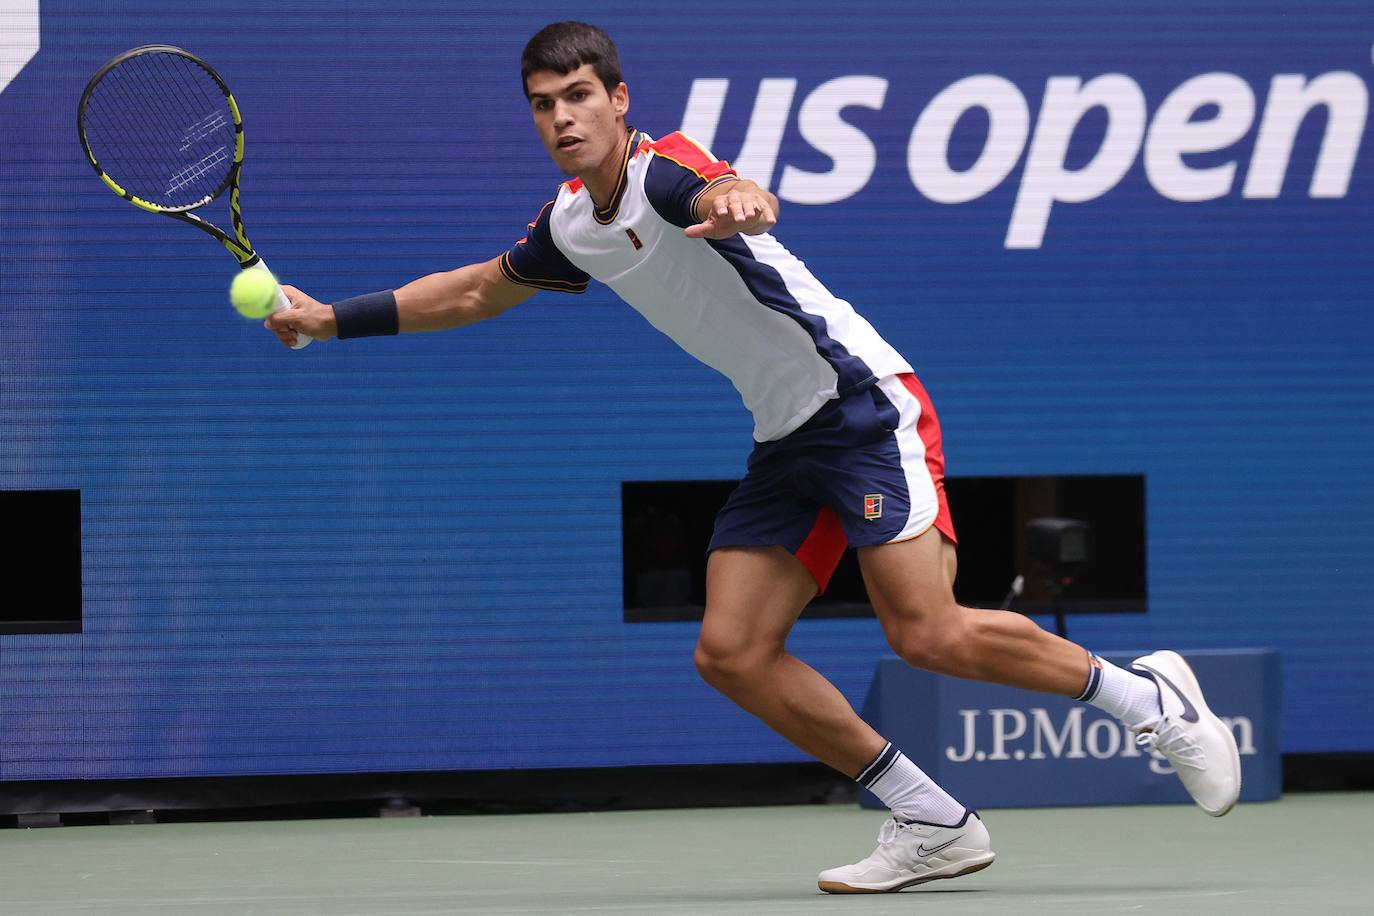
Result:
pixel 282 303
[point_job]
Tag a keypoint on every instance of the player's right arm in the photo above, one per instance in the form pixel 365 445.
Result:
pixel 438 302
pixel 459 297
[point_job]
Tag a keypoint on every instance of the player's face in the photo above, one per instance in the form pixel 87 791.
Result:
pixel 580 123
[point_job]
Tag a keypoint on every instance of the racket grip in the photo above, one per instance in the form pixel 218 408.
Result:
pixel 282 303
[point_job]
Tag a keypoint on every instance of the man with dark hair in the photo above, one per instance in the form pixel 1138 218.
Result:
pixel 847 453
pixel 565 46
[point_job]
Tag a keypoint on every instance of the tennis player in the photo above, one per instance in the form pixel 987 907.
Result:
pixel 847 452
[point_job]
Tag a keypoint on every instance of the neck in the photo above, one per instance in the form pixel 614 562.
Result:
pixel 601 183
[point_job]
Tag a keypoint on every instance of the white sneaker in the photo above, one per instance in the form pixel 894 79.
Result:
pixel 1198 744
pixel 913 853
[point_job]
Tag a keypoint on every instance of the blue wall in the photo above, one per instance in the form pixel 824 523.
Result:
pixel 405 553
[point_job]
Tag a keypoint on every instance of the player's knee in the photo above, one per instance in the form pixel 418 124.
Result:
pixel 728 663
pixel 939 645
pixel 719 665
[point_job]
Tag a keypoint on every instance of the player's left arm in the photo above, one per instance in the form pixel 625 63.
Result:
pixel 733 207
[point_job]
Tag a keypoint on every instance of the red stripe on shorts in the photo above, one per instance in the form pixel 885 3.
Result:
pixel 928 428
pixel 821 551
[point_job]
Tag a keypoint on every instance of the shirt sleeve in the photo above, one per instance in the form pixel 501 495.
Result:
pixel 679 174
pixel 536 261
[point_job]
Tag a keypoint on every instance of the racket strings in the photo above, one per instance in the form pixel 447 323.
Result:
pixel 107 119
pixel 132 115
pixel 114 111
pixel 198 134
pixel 161 127
pixel 190 91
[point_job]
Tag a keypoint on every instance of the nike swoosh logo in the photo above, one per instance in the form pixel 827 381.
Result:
pixel 923 852
pixel 1189 711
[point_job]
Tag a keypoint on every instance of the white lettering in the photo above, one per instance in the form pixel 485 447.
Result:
pixel 1290 99
pixel 970 717
pixel 1128 746
pixel 927 155
pixel 1072 734
pixel 1001 735
pixel 1046 181
pixel 852 152
pixel 1101 739
pixel 23 37
pixel 1244 731
pixel 1174 133
pixel 705 102
pixel 759 155
pixel 1093 738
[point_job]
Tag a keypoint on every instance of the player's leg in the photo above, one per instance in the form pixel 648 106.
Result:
pixel 1158 697
pixel 912 592
pixel 753 597
pixel 772 551
pixel 910 582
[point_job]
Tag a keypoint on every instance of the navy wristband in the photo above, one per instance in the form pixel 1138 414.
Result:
pixel 372 315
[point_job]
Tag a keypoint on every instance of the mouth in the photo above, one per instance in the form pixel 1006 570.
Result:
pixel 569 143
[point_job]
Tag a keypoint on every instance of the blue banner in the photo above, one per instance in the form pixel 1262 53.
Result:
pixel 1110 240
pixel 1000 747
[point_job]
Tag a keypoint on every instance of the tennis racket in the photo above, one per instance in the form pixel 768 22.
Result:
pixel 162 130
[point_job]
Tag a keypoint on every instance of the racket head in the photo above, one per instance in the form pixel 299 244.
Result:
pixel 161 129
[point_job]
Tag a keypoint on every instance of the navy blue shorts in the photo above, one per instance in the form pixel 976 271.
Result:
pixel 867 469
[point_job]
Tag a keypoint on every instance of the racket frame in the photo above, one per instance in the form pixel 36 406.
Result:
pixel 238 244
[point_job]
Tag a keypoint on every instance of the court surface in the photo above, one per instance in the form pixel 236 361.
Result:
pixel 1307 853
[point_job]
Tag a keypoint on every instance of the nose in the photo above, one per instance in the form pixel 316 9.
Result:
pixel 562 115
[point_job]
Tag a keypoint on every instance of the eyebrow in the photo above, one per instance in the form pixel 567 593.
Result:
pixel 568 88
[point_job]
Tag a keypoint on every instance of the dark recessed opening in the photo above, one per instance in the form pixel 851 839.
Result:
pixel 990 515
pixel 40 561
pixel 667 525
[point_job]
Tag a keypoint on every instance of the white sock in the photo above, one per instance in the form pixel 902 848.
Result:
pixel 1133 698
pixel 909 792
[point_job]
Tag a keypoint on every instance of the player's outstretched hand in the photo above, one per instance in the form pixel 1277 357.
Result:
pixel 309 316
pixel 743 207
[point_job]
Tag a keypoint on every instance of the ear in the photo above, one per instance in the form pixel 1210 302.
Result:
pixel 620 100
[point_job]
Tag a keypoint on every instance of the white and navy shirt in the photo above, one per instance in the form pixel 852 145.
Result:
pixel 745 306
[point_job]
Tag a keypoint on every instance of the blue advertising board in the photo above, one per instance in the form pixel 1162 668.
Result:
pixel 999 747
pixel 1112 240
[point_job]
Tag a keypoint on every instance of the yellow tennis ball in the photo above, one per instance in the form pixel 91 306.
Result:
pixel 253 293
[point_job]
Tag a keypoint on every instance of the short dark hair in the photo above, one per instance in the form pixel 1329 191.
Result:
pixel 564 46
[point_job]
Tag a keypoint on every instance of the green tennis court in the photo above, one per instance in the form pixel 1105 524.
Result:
pixel 1307 853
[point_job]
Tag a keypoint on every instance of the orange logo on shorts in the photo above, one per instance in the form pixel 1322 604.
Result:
pixel 873 506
